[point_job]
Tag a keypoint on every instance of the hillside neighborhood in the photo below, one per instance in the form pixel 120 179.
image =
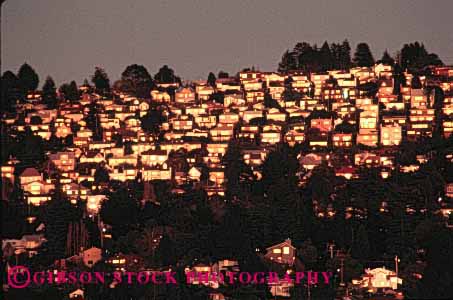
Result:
pixel 344 167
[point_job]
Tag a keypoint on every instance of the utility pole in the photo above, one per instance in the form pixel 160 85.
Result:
pixel 397 260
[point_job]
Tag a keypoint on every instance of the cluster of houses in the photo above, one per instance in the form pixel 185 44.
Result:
pixel 321 112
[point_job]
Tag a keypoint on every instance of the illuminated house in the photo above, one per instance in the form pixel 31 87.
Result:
pixel 276 115
pixel 64 161
pixel 206 121
pixel 342 140
pixel 185 95
pixel 160 96
pixel 29 175
pixel 254 96
pixel 380 278
pixel 228 118
pixel 283 253
pixel 420 123
pixel 324 124
pixel 251 114
pixel 391 135
pixel 222 132
pixel 293 137
pixel 204 92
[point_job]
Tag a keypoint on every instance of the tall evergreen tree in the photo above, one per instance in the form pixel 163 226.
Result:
pixel 345 55
pixel 211 80
pixel 49 93
pixel 28 78
pixel 70 91
pixel 363 56
pixel 101 81
pixel 387 59
pixel 287 63
pixel 325 56
pixel 10 91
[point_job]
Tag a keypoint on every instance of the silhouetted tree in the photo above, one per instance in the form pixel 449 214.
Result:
pixel 166 75
pixel 287 63
pixel 363 56
pixel 223 74
pixel 136 80
pixel 10 91
pixel 211 80
pixel 387 59
pixel 101 81
pixel 70 91
pixel 28 78
pixel 49 93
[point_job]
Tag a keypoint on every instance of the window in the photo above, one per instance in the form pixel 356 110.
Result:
pixel 285 250
pixel 277 251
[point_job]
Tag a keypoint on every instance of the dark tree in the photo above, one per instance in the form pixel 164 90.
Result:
pixel 152 121
pixel 345 55
pixel 387 59
pixel 287 63
pixel 28 78
pixel 361 246
pixel 120 211
pixel 363 56
pixel 166 75
pixel 58 214
pixel 325 56
pixel 70 91
pixel 93 121
pixel 10 91
pixel 101 81
pixel 101 175
pixel 415 57
pixel 416 83
pixel 136 79
pixel 223 74
pixel 49 93
pixel 438 275
pixel 211 80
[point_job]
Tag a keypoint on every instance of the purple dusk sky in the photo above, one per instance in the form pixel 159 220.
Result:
pixel 68 38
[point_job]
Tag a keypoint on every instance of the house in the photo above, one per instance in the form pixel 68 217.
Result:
pixel 283 253
pixel 323 124
pixel 293 137
pixel 94 203
pixel 28 243
pixel 380 278
pixel 342 140
pixel 154 157
pixel 391 135
pixel 276 115
pixel 222 132
pixel 346 172
pixel 64 161
pixel 204 92
pixel 91 256
pixel 310 161
pixel 228 118
pixel 194 174
pixel 29 175
pixel 157 172
pixel 160 96
pixel 185 95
